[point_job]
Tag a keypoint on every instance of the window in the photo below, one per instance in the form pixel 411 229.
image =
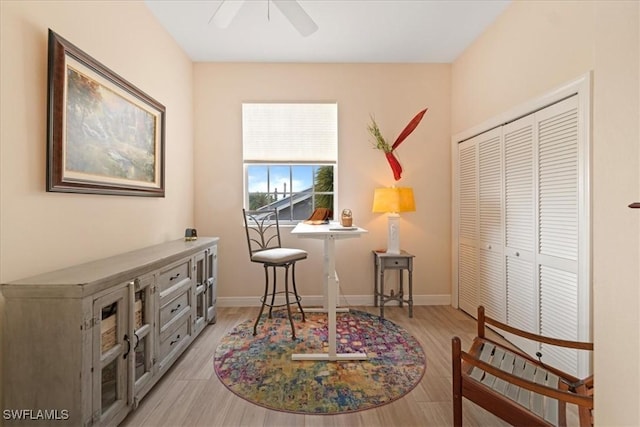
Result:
pixel 290 156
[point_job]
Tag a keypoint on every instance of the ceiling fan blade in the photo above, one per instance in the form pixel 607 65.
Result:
pixel 297 16
pixel 225 13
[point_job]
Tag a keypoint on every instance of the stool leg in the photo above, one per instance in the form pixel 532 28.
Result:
pixel 264 299
pixel 295 290
pixel 273 294
pixel 286 297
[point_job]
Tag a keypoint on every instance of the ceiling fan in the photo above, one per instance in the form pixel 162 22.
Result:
pixel 291 9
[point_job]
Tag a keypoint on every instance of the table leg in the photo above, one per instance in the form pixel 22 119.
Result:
pixel 325 293
pixel 331 293
pixel 330 285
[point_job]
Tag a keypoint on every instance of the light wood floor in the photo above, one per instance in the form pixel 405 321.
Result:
pixel 190 394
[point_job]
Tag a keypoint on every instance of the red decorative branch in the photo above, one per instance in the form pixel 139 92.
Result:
pixel 395 165
pixel 409 128
pixel 381 143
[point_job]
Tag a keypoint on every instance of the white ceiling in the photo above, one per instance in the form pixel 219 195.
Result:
pixel 404 31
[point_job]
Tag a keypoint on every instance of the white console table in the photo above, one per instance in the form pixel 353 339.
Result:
pixel 329 233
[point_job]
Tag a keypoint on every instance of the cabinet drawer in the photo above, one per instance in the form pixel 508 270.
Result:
pixel 174 275
pixel 174 308
pixel 395 262
pixel 175 340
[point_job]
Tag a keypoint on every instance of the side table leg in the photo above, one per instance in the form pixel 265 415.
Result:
pixel 401 287
pixel 375 280
pixel 381 295
pixel 411 291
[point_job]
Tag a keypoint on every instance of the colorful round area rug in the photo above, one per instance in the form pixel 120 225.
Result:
pixel 259 369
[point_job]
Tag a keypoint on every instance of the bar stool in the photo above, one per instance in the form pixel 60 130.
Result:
pixel 263 238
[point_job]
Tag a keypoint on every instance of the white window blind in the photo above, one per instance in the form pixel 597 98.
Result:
pixel 290 132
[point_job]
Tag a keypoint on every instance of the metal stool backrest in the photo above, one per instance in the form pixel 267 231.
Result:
pixel 262 229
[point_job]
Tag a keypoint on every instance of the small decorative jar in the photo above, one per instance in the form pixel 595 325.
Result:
pixel 190 234
pixel 346 220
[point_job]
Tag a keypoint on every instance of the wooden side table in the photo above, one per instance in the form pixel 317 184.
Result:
pixel 385 261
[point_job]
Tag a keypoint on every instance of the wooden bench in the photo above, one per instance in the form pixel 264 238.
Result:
pixel 512 385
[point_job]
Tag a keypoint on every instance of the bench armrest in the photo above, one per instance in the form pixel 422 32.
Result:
pixel 486 320
pixel 555 393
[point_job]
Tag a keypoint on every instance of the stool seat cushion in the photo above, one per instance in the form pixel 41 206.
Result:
pixel 279 255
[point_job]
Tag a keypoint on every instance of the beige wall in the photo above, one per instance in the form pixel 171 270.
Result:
pixel 533 48
pixel 43 231
pixel 394 94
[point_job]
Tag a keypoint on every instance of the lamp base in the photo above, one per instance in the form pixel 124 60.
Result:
pixel 393 236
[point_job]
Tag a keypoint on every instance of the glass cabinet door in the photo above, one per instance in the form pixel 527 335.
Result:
pixel 211 258
pixel 112 345
pixel 141 365
pixel 200 277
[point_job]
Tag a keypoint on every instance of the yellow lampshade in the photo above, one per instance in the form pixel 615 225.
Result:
pixel 393 200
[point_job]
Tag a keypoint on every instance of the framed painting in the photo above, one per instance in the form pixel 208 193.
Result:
pixel 104 135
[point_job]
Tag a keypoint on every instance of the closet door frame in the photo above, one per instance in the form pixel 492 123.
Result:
pixel 582 87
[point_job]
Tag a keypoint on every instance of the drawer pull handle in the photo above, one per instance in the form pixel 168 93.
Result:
pixel 126 338
pixel 174 277
pixel 175 341
pixel 517 253
pixel 177 307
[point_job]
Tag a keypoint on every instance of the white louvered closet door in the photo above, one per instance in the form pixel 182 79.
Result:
pixel 480 270
pixel 523 228
pixel 491 290
pixel 520 230
pixel 467 226
pixel 558 235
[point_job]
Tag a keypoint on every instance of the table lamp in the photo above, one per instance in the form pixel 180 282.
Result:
pixel 392 201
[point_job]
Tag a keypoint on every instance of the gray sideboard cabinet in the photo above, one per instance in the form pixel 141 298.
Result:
pixel 83 345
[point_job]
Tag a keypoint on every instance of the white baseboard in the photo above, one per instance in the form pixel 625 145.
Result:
pixel 349 300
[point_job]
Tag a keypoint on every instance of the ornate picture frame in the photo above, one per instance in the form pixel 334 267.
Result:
pixel 104 135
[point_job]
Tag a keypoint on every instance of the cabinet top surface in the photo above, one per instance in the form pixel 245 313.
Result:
pixel 124 266
pixel 384 254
